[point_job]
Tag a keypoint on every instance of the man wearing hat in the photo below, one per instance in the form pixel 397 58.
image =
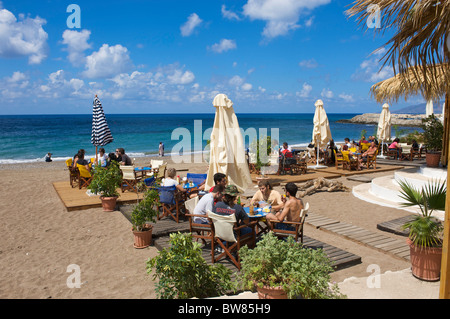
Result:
pixel 228 206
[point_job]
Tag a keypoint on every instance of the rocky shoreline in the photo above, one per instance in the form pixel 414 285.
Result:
pixel 396 119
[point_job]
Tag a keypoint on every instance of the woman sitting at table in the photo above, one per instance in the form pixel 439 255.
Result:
pixel 267 194
pixel 170 181
pixel 395 146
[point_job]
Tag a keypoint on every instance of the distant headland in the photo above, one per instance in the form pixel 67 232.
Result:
pixel 396 119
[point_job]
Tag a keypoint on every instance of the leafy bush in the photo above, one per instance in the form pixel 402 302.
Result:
pixel 105 181
pixel 424 230
pixel 433 132
pixel 300 271
pixel 183 272
pixel 146 210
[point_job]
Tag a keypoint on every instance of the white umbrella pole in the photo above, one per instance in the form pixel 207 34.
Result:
pixel 317 161
pixel 382 155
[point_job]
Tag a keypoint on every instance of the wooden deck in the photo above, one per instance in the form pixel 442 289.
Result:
pixel 162 228
pixel 329 172
pixel 77 199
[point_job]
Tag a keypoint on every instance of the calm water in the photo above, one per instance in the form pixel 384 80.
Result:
pixel 27 138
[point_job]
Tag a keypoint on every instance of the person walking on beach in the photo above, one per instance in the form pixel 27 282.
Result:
pixel 291 210
pixel 161 149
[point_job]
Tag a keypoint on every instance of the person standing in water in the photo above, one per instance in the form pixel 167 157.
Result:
pixel 161 149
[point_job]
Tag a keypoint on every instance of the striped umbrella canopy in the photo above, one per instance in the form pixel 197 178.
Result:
pixel 101 135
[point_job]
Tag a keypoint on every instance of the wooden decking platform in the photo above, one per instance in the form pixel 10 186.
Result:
pixel 163 227
pixel 383 243
pixel 77 199
pixel 395 226
pixel 329 172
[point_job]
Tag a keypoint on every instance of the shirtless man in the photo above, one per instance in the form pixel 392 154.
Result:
pixel 292 207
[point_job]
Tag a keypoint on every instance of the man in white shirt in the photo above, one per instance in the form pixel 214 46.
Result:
pixel 207 203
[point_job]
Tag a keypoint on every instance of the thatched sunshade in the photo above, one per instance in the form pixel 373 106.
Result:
pixel 412 83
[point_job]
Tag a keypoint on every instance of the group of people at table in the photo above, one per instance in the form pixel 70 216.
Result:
pixel 103 159
pixel 223 199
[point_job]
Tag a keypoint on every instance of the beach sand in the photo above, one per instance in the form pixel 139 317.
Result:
pixel 41 240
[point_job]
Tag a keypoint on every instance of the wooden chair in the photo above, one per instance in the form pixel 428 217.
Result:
pixel 394 153
pixel 338 159
pixel 300 167
pixel 252 163
pixel 74 173
pixel 85 176
pixel 349 163
pixel 295 229
pixel 372 161
pixel 129 178
pixel 199 231
pixel 160 172
pixel 170 202
pixel 228 235
pixel 406 153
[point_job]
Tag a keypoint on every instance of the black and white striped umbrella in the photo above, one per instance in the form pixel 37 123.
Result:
pixel 101 135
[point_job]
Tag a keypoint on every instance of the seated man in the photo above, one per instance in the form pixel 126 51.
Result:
pixel 286 150
pixel 370 152
pixel 267 194
pixel 207 203
pixel 124 159
pixel 291 210
pixel 228 206
pixel 219 178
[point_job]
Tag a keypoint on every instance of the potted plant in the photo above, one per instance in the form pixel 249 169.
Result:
pixel 433 131
pixel 281 269
pixel 105 182
pixel 189 275
pixel 425 232
pixel 144 212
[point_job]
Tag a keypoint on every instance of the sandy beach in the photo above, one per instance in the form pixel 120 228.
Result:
pixel 40 240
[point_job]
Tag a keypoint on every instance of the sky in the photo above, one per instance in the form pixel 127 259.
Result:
pixel 267 56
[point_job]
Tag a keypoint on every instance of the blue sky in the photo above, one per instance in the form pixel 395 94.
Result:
pixel 175 56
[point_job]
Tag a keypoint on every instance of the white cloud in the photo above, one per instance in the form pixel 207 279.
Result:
pixel 77 43
pixel 180 77
pixel 327 93
pixel 107 62
pixel 347 97
pixel 309 64
pixel 23 37
pixel 189 26
pixel 281 16
pixel 369 70
pixel 223 46
pixel 236 81
pixel 309 22
pixel 306 89
pixel 246 86
pixel 229 14
pixel 17 77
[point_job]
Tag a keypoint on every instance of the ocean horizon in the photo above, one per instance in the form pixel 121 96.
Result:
pixel 28 138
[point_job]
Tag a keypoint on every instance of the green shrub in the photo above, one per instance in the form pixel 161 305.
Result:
pixel 183 272
pixel 300 271
pixel 105 181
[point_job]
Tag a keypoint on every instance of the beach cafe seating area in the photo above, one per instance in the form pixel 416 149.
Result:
pixel 176 208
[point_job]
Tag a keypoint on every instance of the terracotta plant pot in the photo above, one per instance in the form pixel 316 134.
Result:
pixel 108 203
pixel 143 239
pixel 433 159
pixel 425 262
pixel 267 292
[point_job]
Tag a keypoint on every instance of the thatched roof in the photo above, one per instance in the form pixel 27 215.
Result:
pixel 422 28
pixel 392 89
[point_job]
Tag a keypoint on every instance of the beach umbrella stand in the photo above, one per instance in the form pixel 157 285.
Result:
pixel 321 131
pixel 101 135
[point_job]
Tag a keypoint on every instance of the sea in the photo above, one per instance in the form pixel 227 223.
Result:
pixel 28 138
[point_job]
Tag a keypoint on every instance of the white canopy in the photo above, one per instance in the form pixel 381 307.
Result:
pixel 321 132
pixel 384 124
pixel 429 109
pixel 227 150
